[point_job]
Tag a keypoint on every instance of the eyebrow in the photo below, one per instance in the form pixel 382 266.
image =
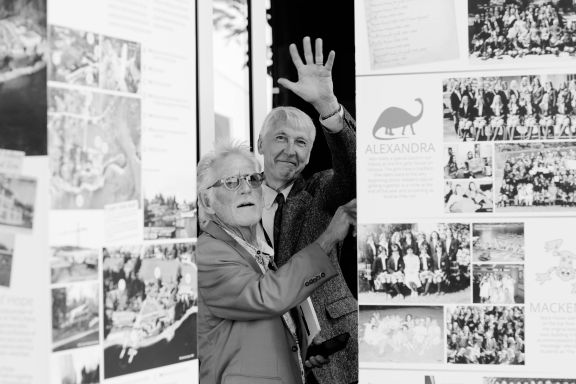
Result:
pixel 282 132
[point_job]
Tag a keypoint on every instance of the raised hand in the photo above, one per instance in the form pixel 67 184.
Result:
pixel 314 83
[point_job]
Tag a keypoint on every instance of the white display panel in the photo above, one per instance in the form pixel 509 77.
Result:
pixel 466 187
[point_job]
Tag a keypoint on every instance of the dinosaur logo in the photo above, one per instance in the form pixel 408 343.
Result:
pixel 396 117
pixel 565 271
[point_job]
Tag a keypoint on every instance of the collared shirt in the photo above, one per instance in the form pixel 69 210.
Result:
pixel 270 206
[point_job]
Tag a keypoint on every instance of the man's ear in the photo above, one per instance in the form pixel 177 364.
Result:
pixel 260 145
pixel 207 202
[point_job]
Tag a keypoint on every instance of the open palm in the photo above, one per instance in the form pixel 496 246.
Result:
pixel 314 83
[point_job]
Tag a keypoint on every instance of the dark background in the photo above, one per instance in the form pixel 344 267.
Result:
pixel 291 21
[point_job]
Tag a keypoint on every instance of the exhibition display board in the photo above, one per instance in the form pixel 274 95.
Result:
pixel 98 123
pixel 466 190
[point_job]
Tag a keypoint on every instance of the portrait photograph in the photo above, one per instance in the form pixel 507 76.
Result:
pixel 510 108
pixel 485 335
pixel 468 161
pixel 468 196
pixel 401 334
pixel 533 31
pixel 535 177
pixel 414 263
pixel 498 284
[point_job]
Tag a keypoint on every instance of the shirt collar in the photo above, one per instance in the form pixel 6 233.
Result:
pixel 270 194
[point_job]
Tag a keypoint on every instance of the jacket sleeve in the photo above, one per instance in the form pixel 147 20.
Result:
pixel 341 185
pixel 232 289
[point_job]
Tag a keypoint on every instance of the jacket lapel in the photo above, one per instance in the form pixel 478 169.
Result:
pixel 218 233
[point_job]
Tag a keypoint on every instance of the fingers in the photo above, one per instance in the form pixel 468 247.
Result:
pixel 308 51
pixel 330 61
pixel 318 52
pixel 295 56
pixel 316 361
pixel 290 85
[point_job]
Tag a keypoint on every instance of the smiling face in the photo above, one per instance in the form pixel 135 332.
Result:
pixel 286 148
pixel 239 208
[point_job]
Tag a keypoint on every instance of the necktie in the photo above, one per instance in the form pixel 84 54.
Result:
pixel 278 221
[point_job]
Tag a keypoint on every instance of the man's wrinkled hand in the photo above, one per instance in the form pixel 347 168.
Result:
pixel 314 83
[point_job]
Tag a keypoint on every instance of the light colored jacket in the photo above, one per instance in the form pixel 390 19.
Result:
pixel 242 337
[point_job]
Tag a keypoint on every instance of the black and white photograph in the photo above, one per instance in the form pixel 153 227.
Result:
pixel 527 380
pixel 75 320
pixel 74 56
pixel 23 51
pixel 510 108
pixel 120 65
pixel 80 367
pixel 498 284
pixel 401 334
pixel 170 209
pixel 94 149
pixel 498 242
pixel 71 263
pixel 17 198
pixel 468 161
pixel 414 263
pixel 150 298
pixel 537 31
pixel 6 253
pixel 535 177
pixel 468 196
pixel 485 335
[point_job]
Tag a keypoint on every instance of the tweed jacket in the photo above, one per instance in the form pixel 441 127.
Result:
pixel 307 212
pixel 242 338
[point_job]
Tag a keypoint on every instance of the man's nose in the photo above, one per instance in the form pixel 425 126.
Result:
pixel 244 187
pixel 289 148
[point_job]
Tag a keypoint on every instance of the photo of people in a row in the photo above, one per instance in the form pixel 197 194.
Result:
pixel 465 161
pixel 536 177
pixel 531 107
pixel 485 335
pixel 414 263
pixel 497 242
pixel 498 284
pixel 527 380
pixel 518 29
pixel 401 334
pixel 468 196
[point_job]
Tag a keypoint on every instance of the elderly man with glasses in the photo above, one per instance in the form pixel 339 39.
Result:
pixel 246 331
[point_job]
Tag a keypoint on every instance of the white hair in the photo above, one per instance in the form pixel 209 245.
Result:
pixel 206 176
pixel 287 116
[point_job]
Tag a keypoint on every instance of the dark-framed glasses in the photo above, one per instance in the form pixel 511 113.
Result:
pixel 232 183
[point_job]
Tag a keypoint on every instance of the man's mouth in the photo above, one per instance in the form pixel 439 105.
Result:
pixel 288 162
pixel 243 205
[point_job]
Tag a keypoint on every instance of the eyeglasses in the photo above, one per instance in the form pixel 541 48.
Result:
pixel 232 183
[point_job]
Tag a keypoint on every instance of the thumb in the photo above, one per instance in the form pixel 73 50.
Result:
pixel 290 85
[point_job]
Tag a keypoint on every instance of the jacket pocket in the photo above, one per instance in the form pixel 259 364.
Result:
pixel 341 307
